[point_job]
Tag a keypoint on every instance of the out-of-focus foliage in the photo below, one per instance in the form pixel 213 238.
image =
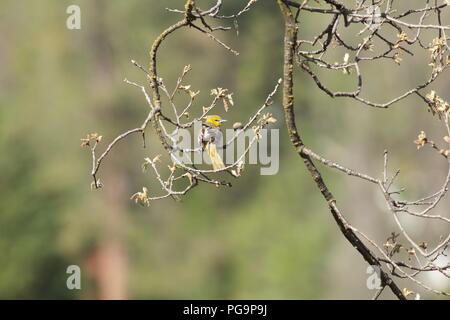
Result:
pixel 267 237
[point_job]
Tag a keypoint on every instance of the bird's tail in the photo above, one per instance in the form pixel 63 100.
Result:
pixel 216 160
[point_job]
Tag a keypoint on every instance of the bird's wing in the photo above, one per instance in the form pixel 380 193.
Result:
pixel 203 136
pixel 218 138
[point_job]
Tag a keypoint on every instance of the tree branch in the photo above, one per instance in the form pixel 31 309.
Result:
pixel 290 40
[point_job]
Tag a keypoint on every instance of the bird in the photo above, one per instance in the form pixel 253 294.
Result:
pixel 211 139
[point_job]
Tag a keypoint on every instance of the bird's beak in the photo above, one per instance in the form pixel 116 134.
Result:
pixel 223 121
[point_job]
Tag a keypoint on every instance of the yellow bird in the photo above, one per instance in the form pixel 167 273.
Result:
pixel 211 139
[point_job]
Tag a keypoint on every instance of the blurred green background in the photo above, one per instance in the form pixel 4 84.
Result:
pixel 268 237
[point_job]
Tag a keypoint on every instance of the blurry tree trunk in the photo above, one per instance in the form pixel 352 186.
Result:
pixel 108 263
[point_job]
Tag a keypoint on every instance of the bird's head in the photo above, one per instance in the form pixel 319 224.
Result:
pixel 214 121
